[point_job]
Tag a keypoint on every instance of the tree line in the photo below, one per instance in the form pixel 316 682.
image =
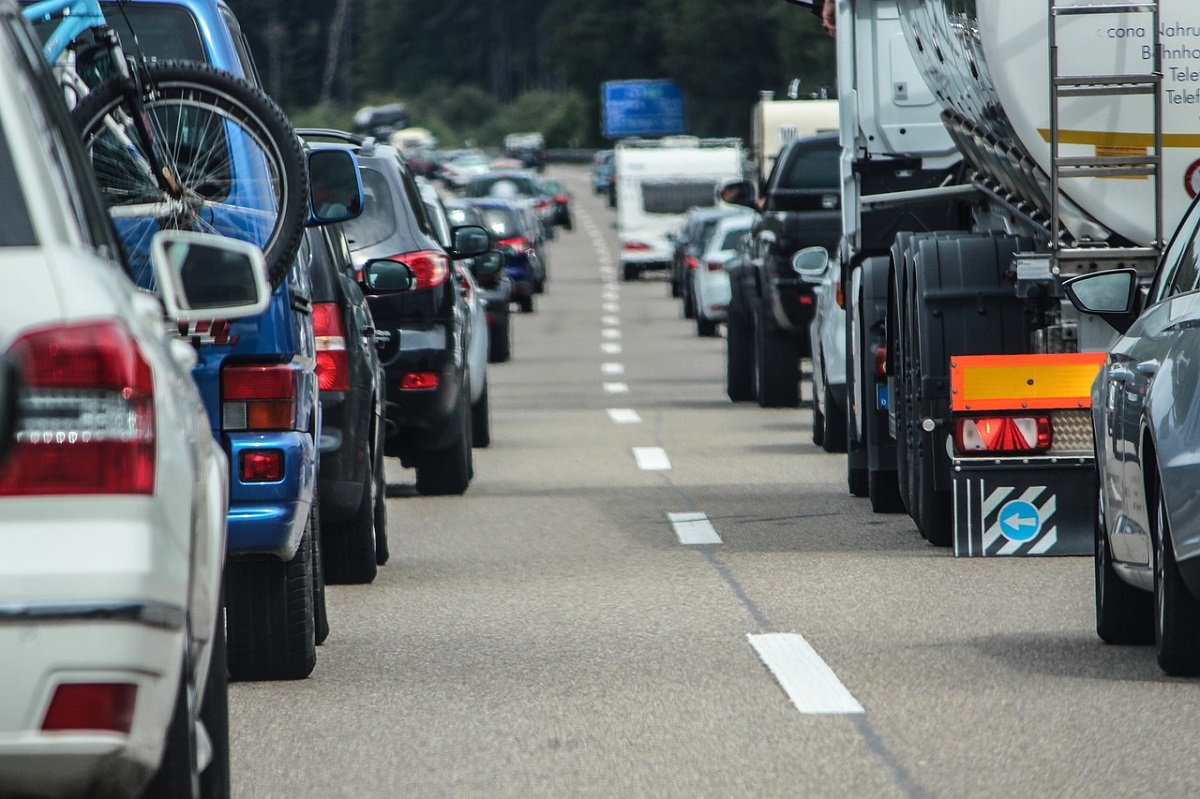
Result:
pixel 474 68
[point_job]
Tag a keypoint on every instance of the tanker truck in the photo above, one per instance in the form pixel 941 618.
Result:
pixel 992 149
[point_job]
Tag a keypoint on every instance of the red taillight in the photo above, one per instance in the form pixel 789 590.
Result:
pixel 258 397
pixel 87 414
pixel 716 266
pixel 998 435
pixel 806 299
pixel 429 267
pixel 690 262
pixel 881 361
pixel 107 707
pixel 839 296
pixel 634 246
pixel 333 362
pixel 561 199
pixel 420 381
pixel 262 466
pixel 518 244
pixel 544 205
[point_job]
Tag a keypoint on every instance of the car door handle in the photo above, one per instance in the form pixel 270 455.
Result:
pixel 1148 368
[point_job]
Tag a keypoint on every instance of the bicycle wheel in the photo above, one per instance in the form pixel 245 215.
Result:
pixel 232 163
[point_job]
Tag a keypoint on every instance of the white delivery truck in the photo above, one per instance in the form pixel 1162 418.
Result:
pixel 657 181
pixel 774 123
pixel 991 150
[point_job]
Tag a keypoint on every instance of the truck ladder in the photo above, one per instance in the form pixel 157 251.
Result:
pixel 1108 166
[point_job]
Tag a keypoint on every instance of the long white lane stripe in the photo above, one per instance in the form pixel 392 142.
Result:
pixel 616 388
pixel 651 459
pixel 804 676
pixel 694 528
pixel 624 416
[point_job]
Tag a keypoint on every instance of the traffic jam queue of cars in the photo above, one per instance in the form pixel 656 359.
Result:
pixel 193 438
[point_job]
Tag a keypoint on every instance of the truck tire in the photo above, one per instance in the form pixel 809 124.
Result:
pixel 1124 614
pixel 269 616
pixel 883 487
pixel 776 363
pixel 739 357
pixel 870 319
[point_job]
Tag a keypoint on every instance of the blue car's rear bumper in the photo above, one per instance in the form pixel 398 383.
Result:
pixel 268 518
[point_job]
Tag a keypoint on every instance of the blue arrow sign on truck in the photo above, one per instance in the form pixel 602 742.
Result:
pixel 642 108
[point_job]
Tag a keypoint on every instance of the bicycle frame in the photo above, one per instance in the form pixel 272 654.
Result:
pixel 77 16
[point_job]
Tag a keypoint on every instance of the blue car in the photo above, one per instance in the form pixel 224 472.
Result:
pixel 515 230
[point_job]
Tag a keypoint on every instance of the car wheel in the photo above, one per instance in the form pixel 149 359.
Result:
pixel 834 421
pixel 629 272
pixel 676 287
pixel 481 421
pixel 381 540
pixel 777 365
pixel 705 328
pixel 269 610
pixel 448 470
pixel 320 619
pixel 818 423
pixel 178 772
pixel 525 304
pixel 349 546
pixel 214 714
pixel 500 341
pixel 1177 613
pixel 739 359
pixel 689 299
pixel 1124 614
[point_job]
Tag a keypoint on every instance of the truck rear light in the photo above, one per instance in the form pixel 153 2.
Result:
pixel 107 707
pixel 333 362
pixel 420 381
pixel 881 361
pixel 518 244
pixel 429 267
pixel 261 466
pixel 86 422
pixel 1003 435
pixel 255 397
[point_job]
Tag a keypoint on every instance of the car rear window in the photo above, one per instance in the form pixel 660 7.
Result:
pixel 677 196
pixel 163 32
pixel 501 221
pixel 732 238
pixel 378 220
pixel 812 168
pixel 16 228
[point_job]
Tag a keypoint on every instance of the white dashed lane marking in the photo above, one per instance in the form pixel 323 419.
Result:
pixel 624 416
pixel 651 459
pixel 610 332
pixel 610 348
pixel 612 368
pixel 693 528
pixel 611 321
pixel 804 676
pixel 616 388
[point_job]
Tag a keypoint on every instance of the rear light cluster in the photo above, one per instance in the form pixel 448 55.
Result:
pixel 634 246
pixel 87 414
pixel 715 266
pixel 420 381
pixel 429 267
pixel 518 244
pixel 561 199
pixel 1003 435
pixel 261 466
pixel 255 397
pixel 105 707
pixel 690 262
pixel 333 362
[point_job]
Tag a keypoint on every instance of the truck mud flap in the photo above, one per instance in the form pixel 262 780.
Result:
pixel 1005 510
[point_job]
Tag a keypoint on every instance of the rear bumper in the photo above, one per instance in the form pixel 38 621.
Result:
pixel 268 518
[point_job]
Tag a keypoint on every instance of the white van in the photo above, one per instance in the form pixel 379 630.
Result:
pixel 657 181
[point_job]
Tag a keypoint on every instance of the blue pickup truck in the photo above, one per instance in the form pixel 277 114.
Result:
pixel 258 381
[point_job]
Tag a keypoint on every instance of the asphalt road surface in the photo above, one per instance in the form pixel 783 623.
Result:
pixel 651 592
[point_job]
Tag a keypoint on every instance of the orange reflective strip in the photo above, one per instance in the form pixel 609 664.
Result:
pixel 1023 382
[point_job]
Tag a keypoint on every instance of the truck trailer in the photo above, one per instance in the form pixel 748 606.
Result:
pixel 991 150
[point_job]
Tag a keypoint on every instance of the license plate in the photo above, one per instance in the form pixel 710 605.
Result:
pixel 881 397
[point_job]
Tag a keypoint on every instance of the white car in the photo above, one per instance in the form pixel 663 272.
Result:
pixel 710 292
pixel 113 493
pixel 828 336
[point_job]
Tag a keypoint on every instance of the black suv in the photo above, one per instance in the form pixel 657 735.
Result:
pixel 419 331
pixel 353 512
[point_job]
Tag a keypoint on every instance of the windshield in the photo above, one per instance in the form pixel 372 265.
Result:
pixel 378 220
pixel 812 169
pixel 501 221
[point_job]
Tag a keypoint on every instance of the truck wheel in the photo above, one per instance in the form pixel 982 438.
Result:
pixel 857 479
pixel 269 612
pixel 629 272
pixel 348 548
pixel 1177 612
pixel 739 358
pixel 777 365
pixel 1124 614
pixel 448 471
pixel 883 487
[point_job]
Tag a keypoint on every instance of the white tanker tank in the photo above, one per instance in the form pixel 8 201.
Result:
pixel 988 62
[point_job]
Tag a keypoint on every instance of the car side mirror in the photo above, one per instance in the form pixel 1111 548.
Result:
pixel 201 276
pixel 488 264
pixel 385 276
pixel 470 241
pixel 739 192
pixel 334 187
pixel 9 392
pixel 810 264
pixel 1111 295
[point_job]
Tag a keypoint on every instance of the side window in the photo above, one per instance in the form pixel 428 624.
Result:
pixel 1180 269
pixel 301 282
pixel 414 200
pixel 241 47
pixel 440 223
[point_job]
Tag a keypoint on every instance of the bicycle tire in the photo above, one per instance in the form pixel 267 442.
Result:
pixel 238 162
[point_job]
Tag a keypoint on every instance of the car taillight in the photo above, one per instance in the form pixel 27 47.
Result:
pixel 333 362
pixel 691 262
pixel 518 244
pixel 561 199
pixel 544 205
pixel 420 381
pixel 86 414
pixel 1000 435
pixel 634 246
pixel 257 397
pixel 838 295
pixel 106 707
pixel 429 267
pixel 262 465
pixel 881 361
pixel 716 266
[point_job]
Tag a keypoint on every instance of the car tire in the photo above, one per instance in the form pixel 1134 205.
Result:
pixel 676 288
pixel 447 471
pixel 1124 614
pixel 739 359
pixel 481 421
pixel 629 272
pixel 269 616
pixel 835 423
pixel 1177 612
pixel 818 422
pixel 705 328
pixel 776 365
pixel 178 772
pixel 382 554
pixel 350 547
pixel 320 617
pixel 500 341
pixel 689 299
pixel 525 304
pixel 214 714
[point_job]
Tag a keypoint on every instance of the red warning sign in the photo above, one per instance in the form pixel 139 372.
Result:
pixel 1191 179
